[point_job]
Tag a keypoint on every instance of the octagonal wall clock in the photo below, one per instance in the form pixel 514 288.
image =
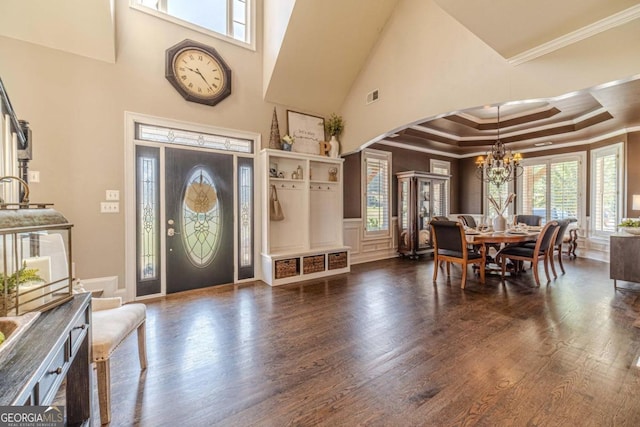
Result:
pixel 198 72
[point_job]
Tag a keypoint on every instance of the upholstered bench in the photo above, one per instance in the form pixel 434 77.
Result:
pixel 111 323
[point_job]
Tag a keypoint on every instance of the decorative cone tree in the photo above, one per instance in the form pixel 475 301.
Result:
pixel 274 139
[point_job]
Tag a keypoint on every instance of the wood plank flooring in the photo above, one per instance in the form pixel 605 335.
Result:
pixel 384 346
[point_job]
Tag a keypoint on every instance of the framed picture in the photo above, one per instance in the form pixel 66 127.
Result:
pixel 307 130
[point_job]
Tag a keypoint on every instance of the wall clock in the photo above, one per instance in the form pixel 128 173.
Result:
pixel 198 72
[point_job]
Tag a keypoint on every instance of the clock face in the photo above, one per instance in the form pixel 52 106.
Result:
pixel 198 73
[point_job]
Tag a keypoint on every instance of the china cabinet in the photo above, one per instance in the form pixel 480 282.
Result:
pixel 307 242
pixel 421 196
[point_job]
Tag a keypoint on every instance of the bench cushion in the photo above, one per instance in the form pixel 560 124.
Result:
pixel 111 327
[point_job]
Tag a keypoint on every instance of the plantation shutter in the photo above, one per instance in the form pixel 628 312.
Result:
pixel 564 189
pixel 377 193
pixel 534 190
pixel 606 192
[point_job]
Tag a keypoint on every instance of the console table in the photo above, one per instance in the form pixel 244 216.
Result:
pixel 623 258
pixel 58 344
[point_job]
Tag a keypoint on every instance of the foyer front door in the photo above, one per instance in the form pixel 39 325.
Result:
pixel 199 219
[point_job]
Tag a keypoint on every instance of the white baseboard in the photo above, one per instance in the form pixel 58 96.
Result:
pixel 108 286
pixel 376 256
pixel 593 254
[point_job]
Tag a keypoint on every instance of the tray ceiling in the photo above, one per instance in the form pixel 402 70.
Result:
pixel 572 119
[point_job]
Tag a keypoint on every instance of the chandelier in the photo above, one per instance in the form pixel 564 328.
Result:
pixel 500 165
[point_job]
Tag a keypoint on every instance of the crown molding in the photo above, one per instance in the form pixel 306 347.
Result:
pixel 524 150
pixel 505 134
pixel 615 20
pixel 468 114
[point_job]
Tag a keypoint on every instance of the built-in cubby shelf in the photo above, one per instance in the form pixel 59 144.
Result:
pixel 308 242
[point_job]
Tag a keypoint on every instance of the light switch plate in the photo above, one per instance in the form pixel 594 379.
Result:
pixel 113 195
pixel 109 207
pixel 34 176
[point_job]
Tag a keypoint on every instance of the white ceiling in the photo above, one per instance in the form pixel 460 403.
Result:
pixel 512 27
pixel 325 45
pixel 83 27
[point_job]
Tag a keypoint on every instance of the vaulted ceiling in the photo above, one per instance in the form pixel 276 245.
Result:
pixel 314 68
pixel 522 30
pixel 82 27
pixel 513 27
pixel 519 30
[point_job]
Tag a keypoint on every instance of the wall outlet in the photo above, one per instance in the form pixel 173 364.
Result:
pixel 109 207
pixel 113 195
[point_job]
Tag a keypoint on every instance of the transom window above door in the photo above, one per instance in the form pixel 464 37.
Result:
pixel 227 19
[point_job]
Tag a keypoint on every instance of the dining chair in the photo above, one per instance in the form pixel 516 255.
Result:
pixel 468 220
pixel 557 245
pixel 531 220
pixel 450 245
pixel 440 218
pixel 539 252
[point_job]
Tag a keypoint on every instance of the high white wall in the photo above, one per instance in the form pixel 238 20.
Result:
pixel 76 109
pixel 426 64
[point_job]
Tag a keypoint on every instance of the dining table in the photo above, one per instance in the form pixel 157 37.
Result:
pixel 492 238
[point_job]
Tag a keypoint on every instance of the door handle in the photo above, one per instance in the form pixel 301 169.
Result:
pixel 171 232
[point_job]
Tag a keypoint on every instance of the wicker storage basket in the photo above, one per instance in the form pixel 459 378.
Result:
pixel 287 268
pixel 313 264
pixel 337 260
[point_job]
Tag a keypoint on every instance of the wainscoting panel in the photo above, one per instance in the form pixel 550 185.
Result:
pixel 365 250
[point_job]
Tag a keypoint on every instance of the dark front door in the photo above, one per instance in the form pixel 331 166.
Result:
pixel 199 215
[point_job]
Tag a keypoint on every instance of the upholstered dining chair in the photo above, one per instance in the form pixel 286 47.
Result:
pixel 468 221
pixel 440 218
pixel 539 252
pixel 531 220
pixel 556 246
pixel 450 245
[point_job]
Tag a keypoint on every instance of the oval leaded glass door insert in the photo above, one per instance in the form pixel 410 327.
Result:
pixel 201 220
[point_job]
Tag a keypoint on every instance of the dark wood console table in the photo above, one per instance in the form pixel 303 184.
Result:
pixel 58 344
pixel 623 258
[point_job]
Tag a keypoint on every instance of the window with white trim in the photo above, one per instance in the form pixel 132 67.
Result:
pixel 551 187
pixel 376 183
pixel 443 168
pixel 606 189
pixel 227 18
pixel 499 194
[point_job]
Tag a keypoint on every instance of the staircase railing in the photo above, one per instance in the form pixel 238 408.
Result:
pixel 6 108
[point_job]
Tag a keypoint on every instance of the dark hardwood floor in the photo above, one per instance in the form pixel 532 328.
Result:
pixel 384 346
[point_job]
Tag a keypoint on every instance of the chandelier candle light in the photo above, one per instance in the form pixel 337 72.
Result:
pixel 500 165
